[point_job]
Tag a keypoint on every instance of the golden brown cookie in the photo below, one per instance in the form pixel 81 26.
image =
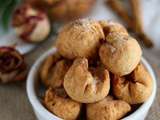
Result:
pixel 120 54
pixel 86 84
pixel 134 88
pixel 110 26
pixel 59 104
pixel 53 70
pixel 107 109
pixel 80 38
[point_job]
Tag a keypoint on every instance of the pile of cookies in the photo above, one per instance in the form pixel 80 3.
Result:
pixel 95 73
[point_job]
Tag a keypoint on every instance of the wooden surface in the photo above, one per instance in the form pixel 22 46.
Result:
pixel 15 105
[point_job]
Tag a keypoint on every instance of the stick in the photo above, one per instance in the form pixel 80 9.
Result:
pixel 137 16
pixel 146 40
pixel 118 8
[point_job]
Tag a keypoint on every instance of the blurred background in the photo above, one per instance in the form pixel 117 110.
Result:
pixel 142 19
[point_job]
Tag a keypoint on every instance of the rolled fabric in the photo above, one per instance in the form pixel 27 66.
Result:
pixel 13 67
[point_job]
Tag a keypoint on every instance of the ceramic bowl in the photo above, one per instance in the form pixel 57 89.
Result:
pixel 43 114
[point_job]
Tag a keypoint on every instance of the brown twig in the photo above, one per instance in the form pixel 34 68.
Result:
pixel 118 8
pixel 137 15
pixel 147 41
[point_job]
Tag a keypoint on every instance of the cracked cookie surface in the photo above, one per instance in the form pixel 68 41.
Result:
pixel 86 84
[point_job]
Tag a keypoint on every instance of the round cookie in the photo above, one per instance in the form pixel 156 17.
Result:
pixel 120 54
pixel 80 38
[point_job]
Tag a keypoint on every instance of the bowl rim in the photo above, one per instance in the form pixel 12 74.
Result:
pixel 38 107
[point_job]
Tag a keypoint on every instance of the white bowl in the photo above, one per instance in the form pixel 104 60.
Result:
pixel 43 114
